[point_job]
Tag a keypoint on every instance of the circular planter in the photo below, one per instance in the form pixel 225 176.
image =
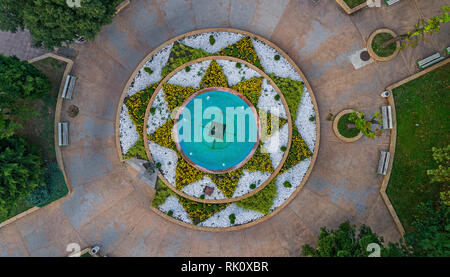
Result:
pixel 373 54
pixel 336 130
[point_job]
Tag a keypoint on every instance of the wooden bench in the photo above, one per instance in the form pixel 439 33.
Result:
pixel 386 115
pixel 383 163
pixel 63 133
pixel 69 85
pixel 391 2
pixel 429 61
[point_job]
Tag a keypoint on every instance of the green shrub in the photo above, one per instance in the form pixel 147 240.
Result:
pixel 232 218
pixel 252 186
pixel 212 40
pixel 162 192
pixel 170 213
pixel 148 70
pixel 287 184
pixel 137 151
pixel 292 91
pixel 181 54
pixel 276 57
pixel 283 148
pixel 262 201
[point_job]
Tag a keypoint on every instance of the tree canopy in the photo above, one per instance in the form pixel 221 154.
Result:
pixel 345 242
pixel 20 80
pixel 431 238
pixel 53 22
pixel 20 171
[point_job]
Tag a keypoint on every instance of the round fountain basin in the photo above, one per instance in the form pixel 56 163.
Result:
pixel 217 130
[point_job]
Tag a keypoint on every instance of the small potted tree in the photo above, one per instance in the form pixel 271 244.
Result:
pixel 350 125
pixel 384 44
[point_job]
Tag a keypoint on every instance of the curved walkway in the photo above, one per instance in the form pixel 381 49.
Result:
pixel 110 207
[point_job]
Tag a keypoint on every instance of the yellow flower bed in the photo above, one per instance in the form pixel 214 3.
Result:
pixel 244 50
pixel 186 174
pixel 251 89
pixel 198 212
pixel 163 136
pixel 175 95
pixel 298 152
pixel 214 77
pixel 137 105
pixel 227 182
pixel 259 162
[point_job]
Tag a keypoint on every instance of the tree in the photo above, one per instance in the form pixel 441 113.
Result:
pixel 343 242
pixel 20 172
pixel 7 127
pixel 11 15
pixel 442 158
pixel 431 237
pixel 421 29
pixel 20 80
pixel 365 126
pixel 53 22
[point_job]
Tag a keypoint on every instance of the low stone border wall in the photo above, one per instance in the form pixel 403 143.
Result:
pixel 393 140
pixel 349 10
pixel 122 6
pixel 373 54
pixel 59 158
pixel 336 130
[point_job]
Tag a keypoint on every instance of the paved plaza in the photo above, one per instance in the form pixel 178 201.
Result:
pixel 111 208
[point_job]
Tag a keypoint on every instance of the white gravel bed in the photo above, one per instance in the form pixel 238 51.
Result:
pixel 196 189
pixel 268 102
pixel 201 41
pixel 167 158
pixel 306 127
pixel 294 176
pixel 173 204
pixel 156 63
pixel 236 75
pixel 161 114
pixel 248 178
pixel 273 145
pixel 281 68
pixel 221 219
pixel 128 134
pixel 191 78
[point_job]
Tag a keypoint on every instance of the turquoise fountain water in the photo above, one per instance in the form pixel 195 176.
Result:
pixel 217 130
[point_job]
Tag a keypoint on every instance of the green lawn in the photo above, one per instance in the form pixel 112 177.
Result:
pixel 343 127
pixel 379 40
pixel 354 3
pixel 423 101
pixel 39 130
